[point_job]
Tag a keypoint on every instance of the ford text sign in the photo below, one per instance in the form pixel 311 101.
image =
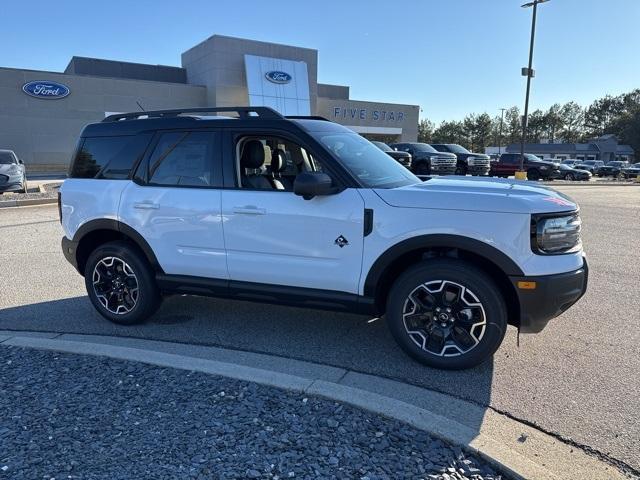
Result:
pixel 45 89
pixel 278 77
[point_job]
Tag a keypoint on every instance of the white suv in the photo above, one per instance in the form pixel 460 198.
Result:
pixel 305 212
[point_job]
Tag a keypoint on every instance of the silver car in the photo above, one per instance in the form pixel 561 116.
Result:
pixel 12 173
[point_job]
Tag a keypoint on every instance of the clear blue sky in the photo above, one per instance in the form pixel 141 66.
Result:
pixel 451 57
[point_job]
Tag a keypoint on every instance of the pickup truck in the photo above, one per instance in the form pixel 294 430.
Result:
pixel 535 167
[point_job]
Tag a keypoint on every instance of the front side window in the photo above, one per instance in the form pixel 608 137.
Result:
pixel 109 158
pixel 182 159
pixel 373 167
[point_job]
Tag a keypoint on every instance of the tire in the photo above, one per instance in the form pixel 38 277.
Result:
pixel 128 266
pixel 533 174
pixel 461 171
pixel 422 281
pixel 570 177
pixel 422 168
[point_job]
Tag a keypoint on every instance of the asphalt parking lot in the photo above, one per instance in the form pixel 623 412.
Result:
pixel 578 379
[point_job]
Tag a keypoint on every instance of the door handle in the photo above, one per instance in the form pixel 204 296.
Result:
pixel 250 210
pixel 146 206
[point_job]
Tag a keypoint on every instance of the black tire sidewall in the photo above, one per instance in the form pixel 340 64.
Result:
pixel 465 274
pixel 533 175
pixel 148 293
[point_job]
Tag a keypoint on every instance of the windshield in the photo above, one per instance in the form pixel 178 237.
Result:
pixel 457 148
pixel 373 167
pixel 533 158
pixel 383 146
pixel 6 158
pixel 564 166
pixel 423 147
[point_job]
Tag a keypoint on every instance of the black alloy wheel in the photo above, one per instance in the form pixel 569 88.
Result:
pixel 447 314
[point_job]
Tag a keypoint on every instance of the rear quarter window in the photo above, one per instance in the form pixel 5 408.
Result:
pixel 110 158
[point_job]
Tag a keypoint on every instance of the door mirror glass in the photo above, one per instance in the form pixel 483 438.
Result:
pixel 20 162
pixel 312 184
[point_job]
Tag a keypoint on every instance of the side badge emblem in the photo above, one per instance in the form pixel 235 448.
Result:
pixel 341 241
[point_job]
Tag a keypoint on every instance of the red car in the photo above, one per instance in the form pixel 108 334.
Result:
pixel 536 168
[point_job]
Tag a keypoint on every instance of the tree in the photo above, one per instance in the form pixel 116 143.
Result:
pixel 450 132
pixel 572 116
pixel 425 131
pixel 478 131
pixel 537 126
pixel 601 114
pixel 512 126
pixel 554 121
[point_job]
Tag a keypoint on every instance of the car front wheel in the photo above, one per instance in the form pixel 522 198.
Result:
pixel 447 314
pixel 569 176
pixel 121 283
pixel 533 174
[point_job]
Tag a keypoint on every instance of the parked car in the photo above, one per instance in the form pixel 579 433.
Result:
pixel 590 165
pixel 535 167
pixel 569 173
pixel 632 171
pixel 13 177
pixel 612 169
pixel 426 160
pixel 571 162
pixel 468 162
pixel 179 203
pixel 403 158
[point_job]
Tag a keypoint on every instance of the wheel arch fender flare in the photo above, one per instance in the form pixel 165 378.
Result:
pixel 124 230
pixel 429 241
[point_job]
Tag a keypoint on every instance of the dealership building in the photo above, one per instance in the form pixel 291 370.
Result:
pixel 42 113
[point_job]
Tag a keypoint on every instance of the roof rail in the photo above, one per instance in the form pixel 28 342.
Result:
pixel 243 112
pixel 307 117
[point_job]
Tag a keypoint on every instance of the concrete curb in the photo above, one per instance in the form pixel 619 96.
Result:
pixel 497 438
pixel 27 202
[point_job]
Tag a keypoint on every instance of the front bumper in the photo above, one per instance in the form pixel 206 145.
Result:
pixel 443 169
pixel 478 169
pixel 69 248
pixel 553 295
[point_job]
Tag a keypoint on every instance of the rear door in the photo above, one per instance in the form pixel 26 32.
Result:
pixel 276 237
pixel 175 203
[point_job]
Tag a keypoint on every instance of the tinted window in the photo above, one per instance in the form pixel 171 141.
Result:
pixel 6 158
pixel 508 158
pixel 108 157
pixel 423 147
pixel 182 159
pixel 454 148
pixel 372 166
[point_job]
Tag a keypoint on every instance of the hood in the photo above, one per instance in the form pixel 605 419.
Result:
pixel 478 194
pixel 435 154
pixel 8 167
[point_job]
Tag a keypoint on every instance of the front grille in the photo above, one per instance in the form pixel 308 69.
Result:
pixel 443 161
pixel 3 179
pixel 479 162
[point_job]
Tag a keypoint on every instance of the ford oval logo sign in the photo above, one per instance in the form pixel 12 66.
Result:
pixel 46 89
pixel 278 77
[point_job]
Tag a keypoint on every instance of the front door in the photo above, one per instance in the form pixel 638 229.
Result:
pixel 176 204
pixel 273 236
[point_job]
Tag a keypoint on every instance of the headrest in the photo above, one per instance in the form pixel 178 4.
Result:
pixel 278 160
pixel 254 154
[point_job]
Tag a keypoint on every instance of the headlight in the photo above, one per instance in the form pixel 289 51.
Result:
pixel 556 234
pixel 544 167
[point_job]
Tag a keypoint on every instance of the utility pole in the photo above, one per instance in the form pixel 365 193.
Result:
pixel 500 135
pixel 529 73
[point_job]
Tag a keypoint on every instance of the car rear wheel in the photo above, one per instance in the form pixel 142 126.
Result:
pixel 447 314
pixel 121 283
pixel 533 174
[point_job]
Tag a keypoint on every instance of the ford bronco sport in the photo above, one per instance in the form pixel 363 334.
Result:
pixel 303 211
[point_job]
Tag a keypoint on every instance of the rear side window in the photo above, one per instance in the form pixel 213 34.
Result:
pixel 109 158
pixel 183 159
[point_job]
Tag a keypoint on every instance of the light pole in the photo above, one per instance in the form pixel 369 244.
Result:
pixel 500 134
pixel 529 73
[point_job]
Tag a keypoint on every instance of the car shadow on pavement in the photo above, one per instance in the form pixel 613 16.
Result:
pixel 361 345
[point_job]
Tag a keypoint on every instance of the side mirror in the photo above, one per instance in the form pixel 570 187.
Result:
pixel 312 184
pixel 20 162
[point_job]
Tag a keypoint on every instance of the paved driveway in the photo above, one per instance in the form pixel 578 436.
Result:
pixel 578 379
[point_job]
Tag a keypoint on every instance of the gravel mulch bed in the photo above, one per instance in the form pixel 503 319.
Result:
pixel 80 417
pixel 51 191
